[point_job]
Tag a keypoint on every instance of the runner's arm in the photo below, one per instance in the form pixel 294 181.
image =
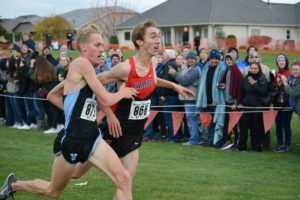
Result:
pixel 181 90
pixel 106 98
pixel 55 96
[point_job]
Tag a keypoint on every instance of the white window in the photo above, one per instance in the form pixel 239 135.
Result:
pixel 127 36
pixel 255 32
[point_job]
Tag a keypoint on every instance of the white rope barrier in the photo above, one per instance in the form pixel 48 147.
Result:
pixel 178 106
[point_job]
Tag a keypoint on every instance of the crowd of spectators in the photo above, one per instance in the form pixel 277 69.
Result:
pixel 220 82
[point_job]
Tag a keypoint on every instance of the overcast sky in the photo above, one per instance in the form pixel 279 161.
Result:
pixel 44 8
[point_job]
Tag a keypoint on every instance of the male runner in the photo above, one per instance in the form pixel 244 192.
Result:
pixel 123 129
pixel 82 139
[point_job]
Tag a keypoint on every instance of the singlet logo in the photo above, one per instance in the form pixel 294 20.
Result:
pixel 143 84
pixel 73 156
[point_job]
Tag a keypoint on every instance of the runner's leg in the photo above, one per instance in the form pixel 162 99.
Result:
pixel 81 169
pixel 130 162
pixel 61 174
pixel 105 159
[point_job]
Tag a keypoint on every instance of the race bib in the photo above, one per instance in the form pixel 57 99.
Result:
pixel 89 110
pixel 139 109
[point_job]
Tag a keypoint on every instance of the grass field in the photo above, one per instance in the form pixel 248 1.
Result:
pixel 167 171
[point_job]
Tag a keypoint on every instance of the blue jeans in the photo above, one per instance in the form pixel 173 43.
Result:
pixel 39 106
pixel 283 121
pixel 211 128
pixel 10 120
pixel 191 118
pixel 171 100
pixel 30 116
pixel 149 132
pixel 15 103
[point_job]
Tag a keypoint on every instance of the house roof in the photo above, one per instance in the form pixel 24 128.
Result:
pixel 81 17
pixel 196 12
pixel 11 25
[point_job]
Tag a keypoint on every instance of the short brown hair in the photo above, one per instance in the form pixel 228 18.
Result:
pixel 83 34
pixel 139 30
pixel 295 62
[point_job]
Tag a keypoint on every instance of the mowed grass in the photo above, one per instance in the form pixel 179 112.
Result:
pixel 166 171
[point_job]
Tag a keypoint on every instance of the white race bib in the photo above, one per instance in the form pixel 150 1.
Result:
pixel 89 110
pixel 139 109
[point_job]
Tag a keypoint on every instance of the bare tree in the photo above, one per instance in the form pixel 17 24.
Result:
pixel 108 14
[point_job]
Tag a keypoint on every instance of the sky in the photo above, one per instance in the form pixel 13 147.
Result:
pixel 46 8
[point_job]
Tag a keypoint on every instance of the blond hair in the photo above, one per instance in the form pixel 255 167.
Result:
pixel 83 34
pixel 139 31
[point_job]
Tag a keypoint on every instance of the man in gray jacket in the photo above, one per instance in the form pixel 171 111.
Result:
pixel 189 77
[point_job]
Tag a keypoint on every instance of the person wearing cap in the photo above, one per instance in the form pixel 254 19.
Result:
pixel 210 98
pixel 221 52
pixel 189 78
pixel 283 118
pixel 235 52
pixel 232 84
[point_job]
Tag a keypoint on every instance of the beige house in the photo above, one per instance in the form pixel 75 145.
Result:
pixel 216 19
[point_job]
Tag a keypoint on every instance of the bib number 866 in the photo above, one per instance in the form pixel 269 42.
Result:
pixel 139 109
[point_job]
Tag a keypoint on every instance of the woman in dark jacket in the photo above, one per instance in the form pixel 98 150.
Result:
pixel 24 90
pixel 254 89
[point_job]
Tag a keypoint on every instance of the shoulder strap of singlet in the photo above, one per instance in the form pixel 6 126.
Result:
pixel 132 67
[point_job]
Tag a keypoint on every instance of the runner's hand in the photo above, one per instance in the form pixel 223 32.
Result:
pixel 183 91
pixel 128 93
pixel 114 126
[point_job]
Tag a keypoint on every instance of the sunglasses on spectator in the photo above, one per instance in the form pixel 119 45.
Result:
pixel 254 57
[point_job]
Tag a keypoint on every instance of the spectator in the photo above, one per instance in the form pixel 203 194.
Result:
pixel 235 52
pixel 185 36
pixel 254 87
pixel 186 134
pixel 168 96
pixel 255 57
pixel 25 54
pixel 25 84
pixel 13 104
pixel 203 58
pixel 26 36
pixel 48 39
pixel 159 122
pixel 221 52
pixel 2 90
pixel 110 52
pixel 291 86
pixel 189 77
pixel 64 50
pixel 63 67
pixel 197 40
pixel 42 72
pixel 232 83
pixel 210 98
pixel 115 59
pixel 283 118
pixel 120 53
pixel 185 51
pixel 210 46
pixel 47 54
pixel 69 39
pixel 250 49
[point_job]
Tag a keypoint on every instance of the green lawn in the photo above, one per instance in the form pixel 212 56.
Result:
pixel 165 171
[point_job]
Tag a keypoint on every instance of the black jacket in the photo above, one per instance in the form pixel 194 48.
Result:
pixel 164 75
pixel 252 94
pixel 25 83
